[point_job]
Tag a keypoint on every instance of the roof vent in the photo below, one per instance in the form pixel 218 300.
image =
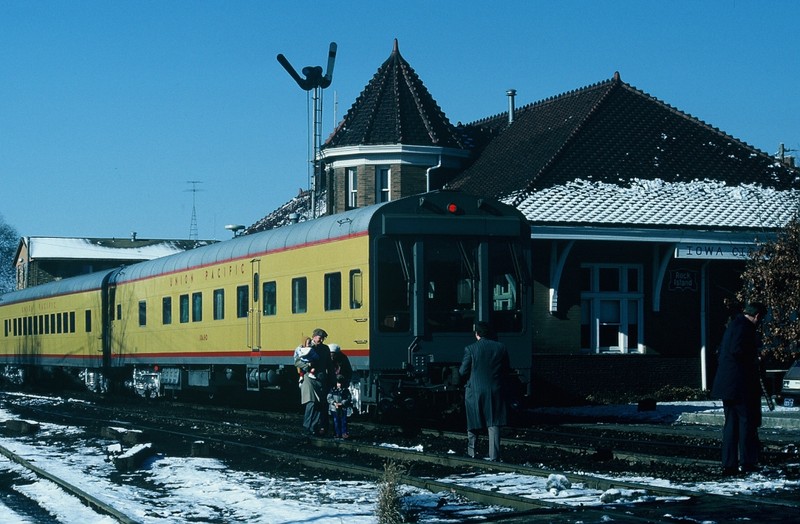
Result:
pixel 511 93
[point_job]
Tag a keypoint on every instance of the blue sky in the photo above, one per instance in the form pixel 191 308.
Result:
pixel 108 108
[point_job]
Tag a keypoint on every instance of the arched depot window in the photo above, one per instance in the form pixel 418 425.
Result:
pixel 611 308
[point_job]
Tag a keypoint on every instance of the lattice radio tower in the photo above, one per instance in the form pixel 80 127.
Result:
pixel 193 225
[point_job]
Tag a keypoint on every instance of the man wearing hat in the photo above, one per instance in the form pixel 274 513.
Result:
pixel 323 368
pixel 737 384
pixel 486 367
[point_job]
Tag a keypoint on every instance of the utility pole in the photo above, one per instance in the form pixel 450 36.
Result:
pixel 785 160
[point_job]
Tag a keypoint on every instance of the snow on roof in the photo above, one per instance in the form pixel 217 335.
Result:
pixel 700 203
pixel 83 248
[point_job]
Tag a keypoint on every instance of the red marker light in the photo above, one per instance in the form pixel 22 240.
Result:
pixel 452 208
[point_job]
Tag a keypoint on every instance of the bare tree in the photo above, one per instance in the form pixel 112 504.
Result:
pixel 771 277
pixel 9 241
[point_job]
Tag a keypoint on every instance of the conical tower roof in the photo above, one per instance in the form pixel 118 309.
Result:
pixel 395 108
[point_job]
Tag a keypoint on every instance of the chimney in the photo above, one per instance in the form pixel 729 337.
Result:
pixel 511 94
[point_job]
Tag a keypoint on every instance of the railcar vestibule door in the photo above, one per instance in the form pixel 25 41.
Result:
pixel 253 310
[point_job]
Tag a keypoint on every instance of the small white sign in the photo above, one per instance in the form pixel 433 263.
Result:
pixel 715 251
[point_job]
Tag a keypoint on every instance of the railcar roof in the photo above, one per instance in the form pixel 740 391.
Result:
pixel 67 286
pixel 314 231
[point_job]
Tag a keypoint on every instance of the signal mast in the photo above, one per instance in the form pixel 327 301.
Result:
pixel 316 82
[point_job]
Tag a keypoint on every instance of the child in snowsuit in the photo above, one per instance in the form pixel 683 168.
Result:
pixel 338 404
pixel 304 358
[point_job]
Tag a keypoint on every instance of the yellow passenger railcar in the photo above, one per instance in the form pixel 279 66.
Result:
pixel 54 325
pixel 398 286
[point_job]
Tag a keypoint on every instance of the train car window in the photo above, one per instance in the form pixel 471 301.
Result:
pixel 166 310
pixel 72 322
pixel 142 313
pixel 35 325
pixel 88 320
pixel 53 323
pixel 183 302
pixel 58 324
pixel 5 327
pixel 270 298
pixel 242 302
pixel 197 307
pixel 219 304
pixel 119 311
pixel 255 287
pixel 356 289
pixel 299 295
pixel 395 276
pixel 505 278
pixel 450 297
pixel 333 291
pixel 47 324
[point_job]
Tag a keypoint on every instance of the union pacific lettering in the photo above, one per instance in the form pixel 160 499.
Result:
pixel 225 271
pixel 178 280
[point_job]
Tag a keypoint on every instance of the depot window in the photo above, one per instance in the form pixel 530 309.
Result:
pixel 383 184
pixel 611 308
pixel 352 187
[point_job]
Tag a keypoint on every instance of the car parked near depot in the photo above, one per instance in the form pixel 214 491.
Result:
pixel 790 390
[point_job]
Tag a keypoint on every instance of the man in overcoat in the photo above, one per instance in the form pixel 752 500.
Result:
pixel 486 367
pixel 323 371
pixel 737 384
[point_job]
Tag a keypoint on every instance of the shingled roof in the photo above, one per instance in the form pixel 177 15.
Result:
pixel 395 108
pixel 613 133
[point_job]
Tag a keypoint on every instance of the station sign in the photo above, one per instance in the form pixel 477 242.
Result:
pixel 714 251
pixel 683 280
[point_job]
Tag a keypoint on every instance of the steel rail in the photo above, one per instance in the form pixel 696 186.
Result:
pixel 90 500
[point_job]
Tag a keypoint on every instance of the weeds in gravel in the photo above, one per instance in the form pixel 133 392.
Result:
pixel 388 508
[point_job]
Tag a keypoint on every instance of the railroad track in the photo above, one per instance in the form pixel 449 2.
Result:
pixel 361 459
pixel 99 506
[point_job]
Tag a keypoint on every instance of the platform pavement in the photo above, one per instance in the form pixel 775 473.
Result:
pixel 781 418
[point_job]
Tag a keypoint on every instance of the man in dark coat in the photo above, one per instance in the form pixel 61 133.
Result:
pixel 486 366
pixel 737 384
pixel 323 367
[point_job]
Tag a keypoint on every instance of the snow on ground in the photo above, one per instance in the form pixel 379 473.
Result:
pixel 177 490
